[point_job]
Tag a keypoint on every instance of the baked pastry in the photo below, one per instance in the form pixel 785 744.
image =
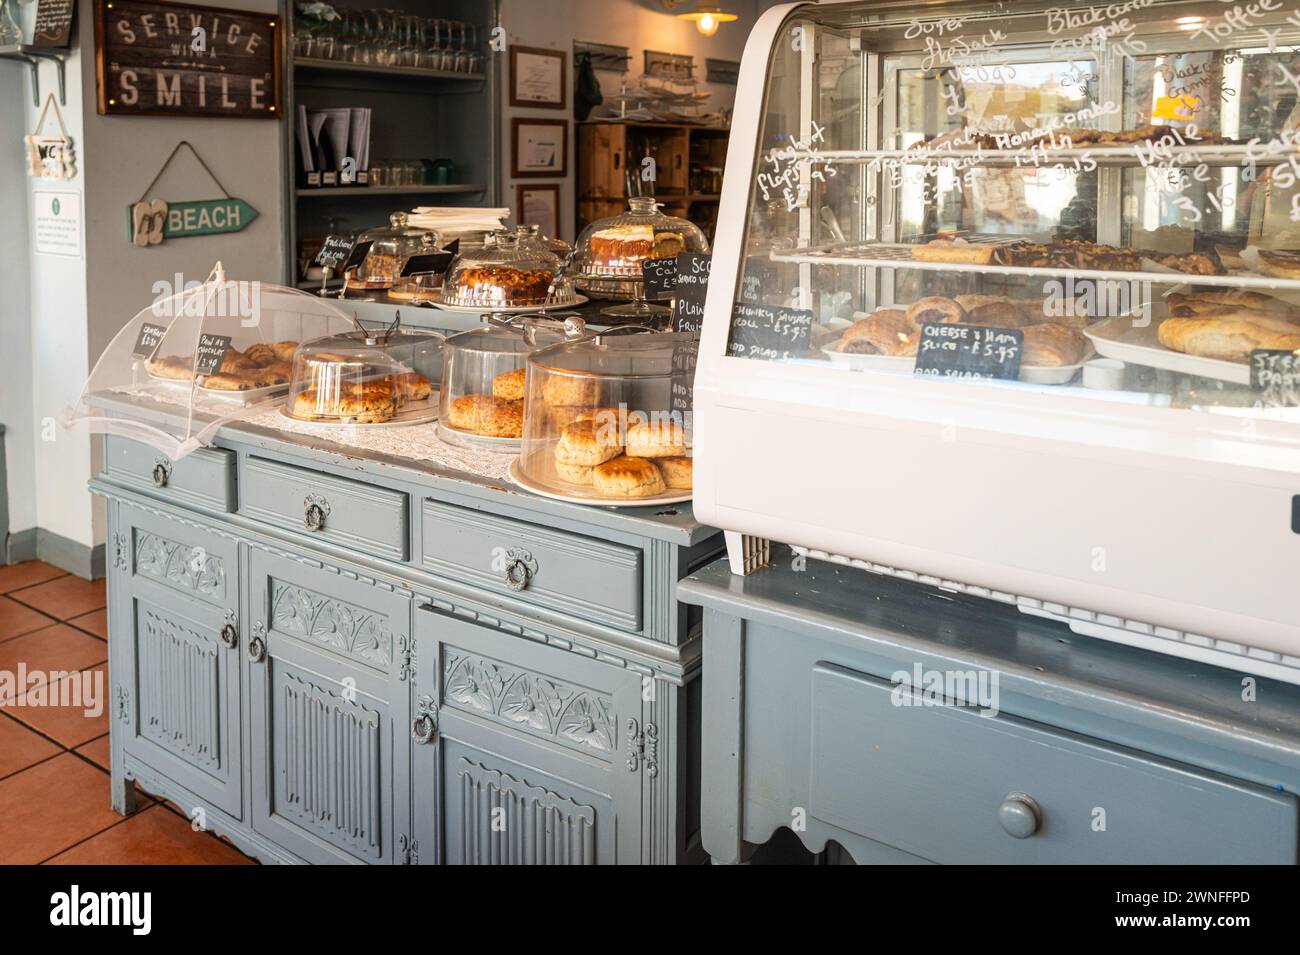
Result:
pixel 501 285
pixel 410 386
pixel 234 381
pixel 676 472
pixel 366 406
pixel 276 373
pixel 171 367
pixel 510 384
pixel 1230 257
pixel 935 308
pixel 951 250
pixel 235 362
pixel 622 246
pixel 587 443
pixel 487 415
pixel 1006 314
pixel 1053 345
pixel 657 438
pixel 626 476
pixel 969 302
pixel 668 245
pixel 886 332
pixel 1228 337
pixel 285 350
pixel 574 473
pixel 1282 265
pixel 571 389
pixel 261 354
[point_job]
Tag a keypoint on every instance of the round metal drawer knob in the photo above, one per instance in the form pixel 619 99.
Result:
pixel 229 636
pixel 161 474
pixel 518 574
pixel 314 518
pixel 256 650
pixel 422 728
pixel 1019 815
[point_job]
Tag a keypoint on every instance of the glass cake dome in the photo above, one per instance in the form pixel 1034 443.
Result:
pixel 507 274
pixel 390 249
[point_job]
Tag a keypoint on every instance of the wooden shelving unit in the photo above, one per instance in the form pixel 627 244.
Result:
pixel 415 114
pixel 606 150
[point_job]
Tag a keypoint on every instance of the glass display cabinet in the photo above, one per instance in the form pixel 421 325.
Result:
pixel 1006 298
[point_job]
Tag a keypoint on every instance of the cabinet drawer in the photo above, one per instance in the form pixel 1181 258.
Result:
pixel 936 780
pixel 204 478
pixel 371 520
pixel 581 576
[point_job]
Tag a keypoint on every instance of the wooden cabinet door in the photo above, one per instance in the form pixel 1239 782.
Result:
pixel 517 751
pixel 325 678
pixel 175 672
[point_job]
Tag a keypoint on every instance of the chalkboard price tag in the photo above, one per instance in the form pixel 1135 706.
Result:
pixel 357 255
pixel 660 278
pixel 769 332
pixel 682 397
pixel 53 27
pixel 1275 369
pixel 210 353
pixel 334 251
pixel 436 262
pixel 147 342
pixel 692 287
pixel 969 351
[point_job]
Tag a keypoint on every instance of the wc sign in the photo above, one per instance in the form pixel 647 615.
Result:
pixel 149 223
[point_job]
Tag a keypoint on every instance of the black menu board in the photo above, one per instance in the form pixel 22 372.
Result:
pixel 692 287
pixel 212 349
pixel 769 332
pixel 1274 369
pixel 53 27
pixel 660 278
pixel 683 380
pixel 357 255
pixel 969 351
pixel 334 251
pixel 437 262
pixel 147 342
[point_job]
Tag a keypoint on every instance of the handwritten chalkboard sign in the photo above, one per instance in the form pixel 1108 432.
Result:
pixel 147 342
pixel 969 351
pixel 692 287
pixel 333 251
pixel 660 278
pixel 210 353
pixel 357 255
pixel 53 27
pixel 174 59
pixel 1276 372
pixel 682 397
pixel 769 332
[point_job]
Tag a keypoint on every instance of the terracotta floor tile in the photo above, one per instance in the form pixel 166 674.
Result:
pixel 16 619
pixel 96 751
pixel 95 622
pixel 153 836
pixel 65 597
pixel 51 807
pixel 13 576
pixel 57 647
pixel 72 711
pixel 20 747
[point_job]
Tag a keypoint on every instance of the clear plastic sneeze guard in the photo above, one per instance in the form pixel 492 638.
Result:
pixel 200 358
pixel 1007 295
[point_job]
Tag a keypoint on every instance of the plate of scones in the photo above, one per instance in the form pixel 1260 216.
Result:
pixel 492 421
pixel 397 398
pixel 260 371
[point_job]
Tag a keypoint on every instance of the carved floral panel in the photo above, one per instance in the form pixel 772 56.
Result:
pixel 351 630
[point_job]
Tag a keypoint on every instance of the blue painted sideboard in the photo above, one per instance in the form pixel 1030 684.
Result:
pixel 829 711
pixel 333 656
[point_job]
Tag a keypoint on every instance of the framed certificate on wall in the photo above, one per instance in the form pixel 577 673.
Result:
pixel 539 205
pixel 537 77
pixel 539 147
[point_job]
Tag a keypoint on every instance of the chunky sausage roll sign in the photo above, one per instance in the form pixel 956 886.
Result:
pixel 172 59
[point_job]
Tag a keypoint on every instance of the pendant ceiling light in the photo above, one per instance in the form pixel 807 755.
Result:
pixel 707 16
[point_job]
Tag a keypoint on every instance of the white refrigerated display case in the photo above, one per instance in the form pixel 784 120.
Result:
pixel 1107 195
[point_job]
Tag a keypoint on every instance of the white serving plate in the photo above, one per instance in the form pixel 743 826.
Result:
pixel 1118 338
pixel 415 412
pixel 482 442
pixel 903 365
pixel 572 302
pixel 543 490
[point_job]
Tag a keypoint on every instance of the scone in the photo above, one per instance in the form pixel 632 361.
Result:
pixel 307 405
pixel 656 439
pixel 574 473
pixel 372 407
pixel 625 476
pixel 413 386
pixel 487 415
pixel 571 390
pixel 587 443
pixel 510 384
pixel 676 472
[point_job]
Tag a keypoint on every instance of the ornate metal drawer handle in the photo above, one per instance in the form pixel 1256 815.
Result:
pixel 256 650
pixel 423 728
pixel 162 473
pixel 314 518
pixel 520 569
pixel 229 636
